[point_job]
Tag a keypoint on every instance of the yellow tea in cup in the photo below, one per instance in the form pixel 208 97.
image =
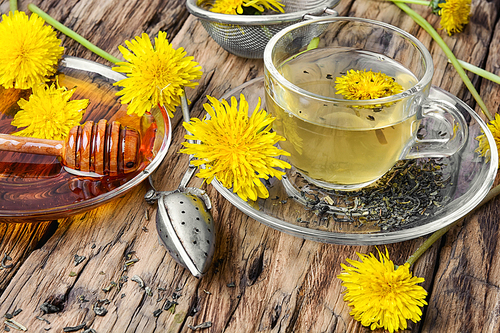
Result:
pixel 335 140
pixel 336 143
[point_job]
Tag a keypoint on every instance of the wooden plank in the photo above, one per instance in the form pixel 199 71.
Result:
pixel 108 24
pixel 466 297
pixel 17 240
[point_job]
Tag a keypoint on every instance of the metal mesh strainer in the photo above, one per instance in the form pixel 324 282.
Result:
pixel 247 35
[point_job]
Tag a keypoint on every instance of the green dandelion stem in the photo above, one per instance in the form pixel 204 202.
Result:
pixel 479 71
pixel 415 2
pixel 431 31
pixel 70 33
pixel 437 235
pixel 428 243
pixel 13 5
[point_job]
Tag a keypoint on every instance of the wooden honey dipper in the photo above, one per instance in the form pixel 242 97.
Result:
pixel 102 148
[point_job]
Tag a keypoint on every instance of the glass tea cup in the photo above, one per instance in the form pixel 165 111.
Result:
pixel 343 144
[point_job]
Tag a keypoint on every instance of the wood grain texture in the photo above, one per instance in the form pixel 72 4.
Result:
pixel 465 297
pixel 17 241
pixel 261 280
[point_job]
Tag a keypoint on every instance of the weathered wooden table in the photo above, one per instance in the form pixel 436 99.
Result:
pixel 261 279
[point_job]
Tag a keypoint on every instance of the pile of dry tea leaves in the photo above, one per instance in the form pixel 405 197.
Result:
pixel 411 189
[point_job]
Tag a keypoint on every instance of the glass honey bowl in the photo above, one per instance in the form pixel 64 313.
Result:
pixel 37 187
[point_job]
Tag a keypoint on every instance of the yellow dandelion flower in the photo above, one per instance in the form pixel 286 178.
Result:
pixel 235 7
pixel 49 114
pixel 361 85
pixel 155 75
pixel 454 15
pixel 237 149
pixel 381 295
pixel 484 148
pixel 29 51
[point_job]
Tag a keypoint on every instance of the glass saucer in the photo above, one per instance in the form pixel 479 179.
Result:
pixel 414 199
pixel 39 188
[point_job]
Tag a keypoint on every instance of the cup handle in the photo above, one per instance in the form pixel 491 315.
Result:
pixel 442 131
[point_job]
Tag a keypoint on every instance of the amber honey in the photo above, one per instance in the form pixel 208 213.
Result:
pixel 31 183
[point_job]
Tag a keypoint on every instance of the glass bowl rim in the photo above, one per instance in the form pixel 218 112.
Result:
pixel 77 63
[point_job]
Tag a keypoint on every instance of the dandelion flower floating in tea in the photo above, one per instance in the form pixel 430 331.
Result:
pixel 237 149
pixel 29 51
pixel 155 75
pixel 380 294
pixel 49 114
pixel 454 14
pixel 484 148
pixel 235 7
pixel 363 85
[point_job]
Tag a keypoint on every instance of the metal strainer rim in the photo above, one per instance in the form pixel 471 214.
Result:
pixel 257 19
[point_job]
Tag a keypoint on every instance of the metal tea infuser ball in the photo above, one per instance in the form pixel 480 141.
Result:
pixel 183 220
